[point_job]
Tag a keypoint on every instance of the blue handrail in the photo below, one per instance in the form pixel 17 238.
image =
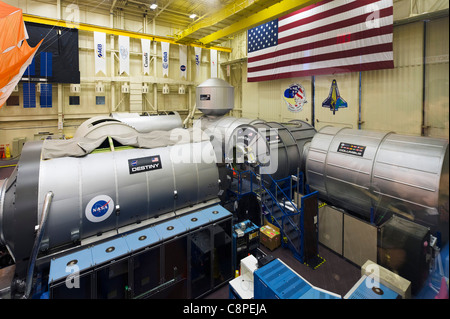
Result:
pixel 283 218
pixel 288 197
pixel 286 216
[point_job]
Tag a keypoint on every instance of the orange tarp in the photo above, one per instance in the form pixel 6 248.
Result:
pixel 12 28
pixel 15 53
pixel 12 61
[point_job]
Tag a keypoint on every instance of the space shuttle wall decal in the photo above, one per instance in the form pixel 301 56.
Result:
pixel 334 101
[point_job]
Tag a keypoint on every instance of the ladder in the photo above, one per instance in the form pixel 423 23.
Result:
pixel 276 198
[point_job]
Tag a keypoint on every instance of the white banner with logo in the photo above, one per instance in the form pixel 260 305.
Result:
pixel 124 54
pixel 198 58
pixel 183 61
pixel 100 52
pixel 165 46
pixel 145 43
pixel 213 63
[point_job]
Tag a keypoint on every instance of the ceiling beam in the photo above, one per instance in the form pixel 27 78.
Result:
pixel 224 13
pixel 277 10
pixel 92 28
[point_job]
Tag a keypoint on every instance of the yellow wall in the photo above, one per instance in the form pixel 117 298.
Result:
pixel 391 100
pixel 16 121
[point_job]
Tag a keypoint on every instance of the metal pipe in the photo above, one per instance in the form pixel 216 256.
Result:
pixel 189 116
pixel 37 242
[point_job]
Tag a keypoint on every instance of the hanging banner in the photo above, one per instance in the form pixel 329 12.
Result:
pixel 100 52
pixel 198 58
pixel 213 63
pixel 183 61
pixel 165 46
pixel 124 54
pixel 145 43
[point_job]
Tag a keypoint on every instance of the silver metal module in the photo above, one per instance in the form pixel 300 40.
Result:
pixel 147 122
pixel 88 190
pixel 215 97
pixel 364 170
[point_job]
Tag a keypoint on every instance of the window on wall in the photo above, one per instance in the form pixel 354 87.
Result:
pixel 13 100
pixel 74 100
pixel 100 100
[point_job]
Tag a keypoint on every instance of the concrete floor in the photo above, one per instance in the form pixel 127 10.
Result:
pixel 336 274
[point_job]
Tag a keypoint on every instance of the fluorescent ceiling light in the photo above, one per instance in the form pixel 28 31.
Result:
pixel 153 6
pixel 192 16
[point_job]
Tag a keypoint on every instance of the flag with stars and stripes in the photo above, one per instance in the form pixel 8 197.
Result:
pixel 329 37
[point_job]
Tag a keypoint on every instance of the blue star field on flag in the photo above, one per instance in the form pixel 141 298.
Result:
pixel 263 36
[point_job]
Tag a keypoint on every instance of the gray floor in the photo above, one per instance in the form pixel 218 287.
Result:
pixel 6 168
pixel 335 275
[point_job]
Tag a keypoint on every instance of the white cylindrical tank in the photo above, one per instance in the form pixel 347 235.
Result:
pixel 98 126
pixel 147 122
pixel 215 97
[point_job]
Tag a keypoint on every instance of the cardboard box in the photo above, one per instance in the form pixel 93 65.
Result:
pixel 270 236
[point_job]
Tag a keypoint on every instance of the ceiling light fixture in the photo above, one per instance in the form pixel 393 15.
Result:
pixel 192 16
pixel 153 6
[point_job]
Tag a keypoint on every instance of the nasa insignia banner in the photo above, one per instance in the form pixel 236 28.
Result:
pixel 183 61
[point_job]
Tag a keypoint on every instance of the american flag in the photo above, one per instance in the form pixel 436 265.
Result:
pixel 331 36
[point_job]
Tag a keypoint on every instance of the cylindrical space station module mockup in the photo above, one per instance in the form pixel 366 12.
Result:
pixel 128 123
pixel 386 172
pixel 276 147
pixel 215 97
pixel 147 122
pixel 100 192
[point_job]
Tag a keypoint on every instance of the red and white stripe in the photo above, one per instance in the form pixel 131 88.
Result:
pixel 300 94
pixel 332 36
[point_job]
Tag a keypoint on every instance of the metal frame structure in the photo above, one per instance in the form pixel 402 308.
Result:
pixel 166 275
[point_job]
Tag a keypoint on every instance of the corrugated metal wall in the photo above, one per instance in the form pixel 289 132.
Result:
pixel 437 79
pixel 391 100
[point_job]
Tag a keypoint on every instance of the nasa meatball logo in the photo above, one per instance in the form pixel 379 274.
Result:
pixel 99 208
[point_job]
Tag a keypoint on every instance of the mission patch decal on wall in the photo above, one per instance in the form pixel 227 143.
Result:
pixel 144 164
pixel 295 97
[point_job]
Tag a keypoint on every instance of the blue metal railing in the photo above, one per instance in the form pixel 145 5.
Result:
pixel 286 217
